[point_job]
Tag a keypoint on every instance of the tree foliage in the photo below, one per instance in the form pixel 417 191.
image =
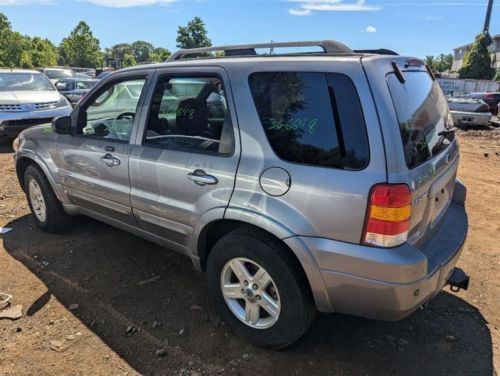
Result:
pixel 159 55
pixel 126 55
pixel 193 35
pixel 142 51
pixel 80 48
pixel 477 60
pixel 43 52
pixel 441 63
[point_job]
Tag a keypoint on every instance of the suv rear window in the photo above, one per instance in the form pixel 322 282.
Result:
pixel 422 114
pixel 312 118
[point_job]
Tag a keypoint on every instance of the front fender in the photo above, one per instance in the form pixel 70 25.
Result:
pixel 38 153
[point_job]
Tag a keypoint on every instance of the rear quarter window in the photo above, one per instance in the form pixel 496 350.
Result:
pixel 312 118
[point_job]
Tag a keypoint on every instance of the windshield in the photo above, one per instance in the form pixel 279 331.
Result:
pixel 423 116
pixel 85 84
pixel 57 74
pixel 24 82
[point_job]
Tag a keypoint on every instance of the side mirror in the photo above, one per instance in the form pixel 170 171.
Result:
pixel 61 86
pixel 62 125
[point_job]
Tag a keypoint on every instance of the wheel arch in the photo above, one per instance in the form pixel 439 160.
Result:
pixel 24 161
pixel 216 229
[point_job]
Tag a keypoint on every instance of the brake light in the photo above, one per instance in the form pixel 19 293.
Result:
pixel 388 216
pixel 413 63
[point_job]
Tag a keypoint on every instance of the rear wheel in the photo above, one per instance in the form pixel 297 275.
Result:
pixel 47 211
pixel 259 289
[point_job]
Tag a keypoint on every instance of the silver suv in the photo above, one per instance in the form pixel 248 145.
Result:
pixel 297 182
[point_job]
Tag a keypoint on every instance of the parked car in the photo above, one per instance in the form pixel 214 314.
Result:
pixel 56 74
pixel 104 74
pixel 27 98
pixel 469 111
pixel 74 89
pixel 297 183
pixel 490 98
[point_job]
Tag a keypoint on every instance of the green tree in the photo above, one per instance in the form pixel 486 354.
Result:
pixel 439 64
pixel 80 48
pixel 429 60
pixel 477 60
pixel 43 52
pixel 142 51
pixel 444 62
pixel 118 51
pixel 497 76
pixel 193 35
pixel 128 61
pixel 5 31
pixel 12 44
pixel 159 55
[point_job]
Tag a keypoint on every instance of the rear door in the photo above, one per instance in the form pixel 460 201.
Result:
pixel 186 154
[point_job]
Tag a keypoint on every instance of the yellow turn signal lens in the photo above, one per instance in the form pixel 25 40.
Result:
pixel 390 214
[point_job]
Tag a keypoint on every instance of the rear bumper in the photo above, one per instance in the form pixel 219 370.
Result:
pixel 471 118
pixel 389 284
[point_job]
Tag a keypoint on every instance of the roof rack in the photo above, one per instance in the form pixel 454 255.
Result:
pixel 328 46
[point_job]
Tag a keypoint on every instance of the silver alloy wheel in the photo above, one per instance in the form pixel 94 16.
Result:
pixel 250 293
pixel 37 201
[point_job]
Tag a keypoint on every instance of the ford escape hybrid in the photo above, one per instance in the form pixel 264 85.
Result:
pixel 297 182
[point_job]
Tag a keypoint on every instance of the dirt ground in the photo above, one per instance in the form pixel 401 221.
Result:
pixel 130 298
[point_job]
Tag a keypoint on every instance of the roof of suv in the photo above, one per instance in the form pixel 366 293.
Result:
pixel 238 54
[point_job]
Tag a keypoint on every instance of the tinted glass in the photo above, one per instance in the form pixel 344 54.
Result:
pixel 423 116
pixel 58 74
pixel 111 115
pixel 85 84
pixel 309 120
pixel 24 82
pixel 190 114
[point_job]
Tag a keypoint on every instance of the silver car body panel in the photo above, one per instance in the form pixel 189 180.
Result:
pixel 321 215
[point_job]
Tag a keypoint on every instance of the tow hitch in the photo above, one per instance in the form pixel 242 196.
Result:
pixel 458 280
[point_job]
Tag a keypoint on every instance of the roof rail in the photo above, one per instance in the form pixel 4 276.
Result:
pixel 328 46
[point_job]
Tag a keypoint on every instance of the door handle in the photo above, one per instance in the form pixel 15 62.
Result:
pixel 200 177
pixel 110 160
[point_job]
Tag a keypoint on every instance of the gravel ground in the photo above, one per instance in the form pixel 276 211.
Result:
pixel 98 301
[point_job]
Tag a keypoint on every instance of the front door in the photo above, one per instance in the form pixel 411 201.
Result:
pixel 94 162
pixel 185 161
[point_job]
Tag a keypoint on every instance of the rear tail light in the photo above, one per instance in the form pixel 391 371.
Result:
pixel 388 216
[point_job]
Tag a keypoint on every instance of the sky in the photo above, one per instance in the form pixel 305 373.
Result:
pixel 410 27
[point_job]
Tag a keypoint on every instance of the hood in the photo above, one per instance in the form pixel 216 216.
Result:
pixel 21 97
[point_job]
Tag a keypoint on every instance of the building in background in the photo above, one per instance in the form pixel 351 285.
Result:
pixel 459 54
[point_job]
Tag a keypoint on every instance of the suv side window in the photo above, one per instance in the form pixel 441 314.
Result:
pixel 111 114
pixel 312 118
pixel 190 114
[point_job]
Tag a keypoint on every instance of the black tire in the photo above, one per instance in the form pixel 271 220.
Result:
pixel 297 308
pixel 57 220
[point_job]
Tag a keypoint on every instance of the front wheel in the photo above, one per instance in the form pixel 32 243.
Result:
pixel 47 211
pixel 259 289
